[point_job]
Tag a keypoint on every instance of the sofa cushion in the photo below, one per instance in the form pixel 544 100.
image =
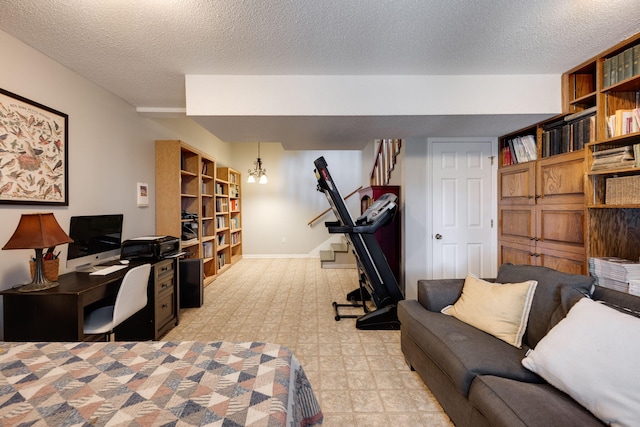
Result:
pixel 547 297
pixel 461 351
pixel 592 356
pixel 508 403
pixel 500 309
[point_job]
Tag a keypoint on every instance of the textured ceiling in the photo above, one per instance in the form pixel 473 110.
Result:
pixel 141 50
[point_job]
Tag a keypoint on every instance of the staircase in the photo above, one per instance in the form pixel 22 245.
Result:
pixel 339 255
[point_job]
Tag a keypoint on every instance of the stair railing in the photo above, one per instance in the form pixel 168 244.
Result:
pixel 385 161
pixel 310 223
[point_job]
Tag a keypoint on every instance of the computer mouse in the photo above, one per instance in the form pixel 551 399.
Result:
pixel 124 261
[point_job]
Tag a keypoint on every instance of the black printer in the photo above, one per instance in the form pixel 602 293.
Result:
pixel 152 248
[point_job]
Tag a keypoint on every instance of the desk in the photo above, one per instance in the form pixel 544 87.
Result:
pixel 57 314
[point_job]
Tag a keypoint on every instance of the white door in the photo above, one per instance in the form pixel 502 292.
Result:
pixel 462 208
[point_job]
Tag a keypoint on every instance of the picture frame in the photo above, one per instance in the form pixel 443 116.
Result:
pixel 34 152
pixel 142 194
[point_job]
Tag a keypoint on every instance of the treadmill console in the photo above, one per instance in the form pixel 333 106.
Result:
pixel 386 202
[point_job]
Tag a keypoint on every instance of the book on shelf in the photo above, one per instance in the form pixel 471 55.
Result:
pixel 623 122
pixel 622 66
pixel 207 249
pixel 614 158
pixel 519 149
pixel 570 133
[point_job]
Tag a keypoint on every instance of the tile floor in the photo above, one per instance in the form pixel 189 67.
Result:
pixel 359 377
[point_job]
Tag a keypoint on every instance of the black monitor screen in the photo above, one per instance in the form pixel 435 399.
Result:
pixel 94 234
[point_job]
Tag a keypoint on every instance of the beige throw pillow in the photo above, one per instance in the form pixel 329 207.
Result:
pixel 500 309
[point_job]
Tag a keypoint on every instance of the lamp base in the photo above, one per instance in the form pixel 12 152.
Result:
pixel 38 286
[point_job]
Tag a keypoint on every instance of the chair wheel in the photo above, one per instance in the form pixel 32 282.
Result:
pixel 337 318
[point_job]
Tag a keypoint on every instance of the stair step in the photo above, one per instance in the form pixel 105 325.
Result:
pixel 340 247
pixel 327 255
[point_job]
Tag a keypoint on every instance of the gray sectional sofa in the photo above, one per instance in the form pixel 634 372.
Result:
pixel 478 379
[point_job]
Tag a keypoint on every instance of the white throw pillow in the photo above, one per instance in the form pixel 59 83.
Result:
pixel 592 355
pixel 499 309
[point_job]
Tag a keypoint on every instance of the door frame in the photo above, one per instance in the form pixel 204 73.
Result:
pixel 494 199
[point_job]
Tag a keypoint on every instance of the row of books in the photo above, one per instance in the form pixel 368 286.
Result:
pixel 235 204
pixel 207 250
pixel 570 133
pixel 220 222
pixel 221 260
pixel 235 238
pixel 621 66
pixel 205 167
pixel 614 272
pixel 235 222
pixel 519 149
pixel 222 205
pixel 616 158
pixel 623 122
pixel 219 188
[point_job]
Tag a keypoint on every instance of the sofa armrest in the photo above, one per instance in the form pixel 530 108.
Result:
pixel 434 295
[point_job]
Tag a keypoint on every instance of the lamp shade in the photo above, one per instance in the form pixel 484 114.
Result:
pixel 37 231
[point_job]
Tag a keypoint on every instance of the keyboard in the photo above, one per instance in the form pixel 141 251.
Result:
pixel 107 270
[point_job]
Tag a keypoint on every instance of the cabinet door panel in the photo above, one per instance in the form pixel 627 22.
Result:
pixel 561 227
pixel 516 223
pixel 563 261
pixel 516 184
pixel 561 179
pixel 514 253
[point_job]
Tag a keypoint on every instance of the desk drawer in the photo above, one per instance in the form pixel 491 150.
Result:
pixel 165 284
pixel 165 309
pixel 163 268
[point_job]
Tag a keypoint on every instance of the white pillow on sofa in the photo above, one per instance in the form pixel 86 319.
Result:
pixel 592 355
pixel 499 309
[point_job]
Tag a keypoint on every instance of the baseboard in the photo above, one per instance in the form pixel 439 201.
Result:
pixel 281 256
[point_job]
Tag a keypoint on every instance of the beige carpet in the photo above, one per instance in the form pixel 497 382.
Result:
pixel 359 377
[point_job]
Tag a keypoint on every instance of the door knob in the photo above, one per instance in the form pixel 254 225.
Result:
pixel 438 236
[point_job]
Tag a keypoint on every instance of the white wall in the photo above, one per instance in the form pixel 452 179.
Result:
pixel 111 148
pixel 275 215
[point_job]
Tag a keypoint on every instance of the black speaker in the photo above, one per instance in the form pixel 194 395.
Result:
pixel 191 283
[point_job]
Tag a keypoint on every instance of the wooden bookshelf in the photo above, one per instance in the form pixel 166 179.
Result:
pixel 233 243
pixel 192 191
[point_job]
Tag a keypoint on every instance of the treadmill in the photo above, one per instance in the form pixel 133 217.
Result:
pixel 377 280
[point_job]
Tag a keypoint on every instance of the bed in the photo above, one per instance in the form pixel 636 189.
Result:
pixel 185 383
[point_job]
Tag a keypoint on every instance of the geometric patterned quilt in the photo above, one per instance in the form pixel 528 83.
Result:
pixel 183 383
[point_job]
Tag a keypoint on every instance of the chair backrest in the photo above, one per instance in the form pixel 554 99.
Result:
pixel 132 295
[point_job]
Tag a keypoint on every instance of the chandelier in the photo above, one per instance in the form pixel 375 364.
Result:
pixel 258 173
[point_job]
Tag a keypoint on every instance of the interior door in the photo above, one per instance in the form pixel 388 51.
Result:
pixel 462 209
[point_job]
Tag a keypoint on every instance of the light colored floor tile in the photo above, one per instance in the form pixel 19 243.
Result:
pixel 359 377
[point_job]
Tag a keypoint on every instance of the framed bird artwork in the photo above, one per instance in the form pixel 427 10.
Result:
pixel 33 152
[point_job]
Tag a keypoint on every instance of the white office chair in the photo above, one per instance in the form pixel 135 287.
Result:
pixel 131 298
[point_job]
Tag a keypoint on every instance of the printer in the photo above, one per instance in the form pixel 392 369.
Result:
pixel 152 248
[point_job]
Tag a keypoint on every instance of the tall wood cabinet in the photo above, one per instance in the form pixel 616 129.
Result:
pixel 558 210
pixel 192 203
pixel 541 219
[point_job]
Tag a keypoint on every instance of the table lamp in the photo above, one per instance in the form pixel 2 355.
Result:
pixel 37 231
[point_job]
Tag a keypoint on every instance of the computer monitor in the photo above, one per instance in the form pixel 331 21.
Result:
pixel 96 238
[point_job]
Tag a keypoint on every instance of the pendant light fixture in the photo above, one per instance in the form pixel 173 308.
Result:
pixel 258 173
